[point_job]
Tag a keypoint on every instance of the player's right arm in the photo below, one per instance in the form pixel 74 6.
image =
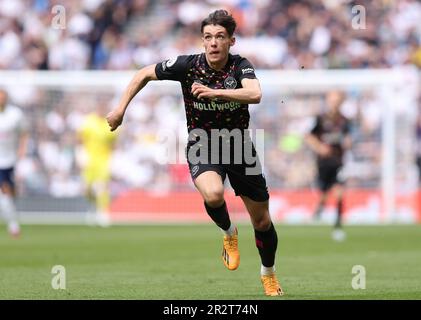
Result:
pixel 141 78
pixel 317 146
pixel 171 69
pixel 23 137
pixel 313 141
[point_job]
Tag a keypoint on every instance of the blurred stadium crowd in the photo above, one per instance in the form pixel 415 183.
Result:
pixel 129 34
pixel 125 34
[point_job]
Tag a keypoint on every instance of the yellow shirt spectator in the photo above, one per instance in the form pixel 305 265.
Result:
pixel 98 142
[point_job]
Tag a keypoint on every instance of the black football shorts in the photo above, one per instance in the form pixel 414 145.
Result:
pixel 6 176
pixel 246 179
pixel 328 176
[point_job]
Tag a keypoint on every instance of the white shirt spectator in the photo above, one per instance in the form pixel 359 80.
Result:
pixel 80 24
pixel 320 40
pixel 271 50
pixel 69 54
pixel 191 12
pixel 10 48
pixel 11 9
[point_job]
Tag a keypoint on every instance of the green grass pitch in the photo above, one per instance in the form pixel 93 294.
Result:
pixel 183 262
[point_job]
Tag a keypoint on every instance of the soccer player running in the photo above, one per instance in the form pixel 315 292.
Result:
pixel 329 139
pixel 13 142
pixel 217 88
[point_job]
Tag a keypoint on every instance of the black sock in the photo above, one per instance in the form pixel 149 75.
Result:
pixel 219 216
pixel 266 243
pixel 339 209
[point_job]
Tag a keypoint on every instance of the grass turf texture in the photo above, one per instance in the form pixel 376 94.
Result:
pixel 183 262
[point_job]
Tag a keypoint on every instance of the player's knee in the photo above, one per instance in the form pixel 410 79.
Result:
pixel 5 188
pixel 214 197
pixel 262 223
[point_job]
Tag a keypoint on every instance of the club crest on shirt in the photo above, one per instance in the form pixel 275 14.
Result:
pixel 168 63
pixel 230 83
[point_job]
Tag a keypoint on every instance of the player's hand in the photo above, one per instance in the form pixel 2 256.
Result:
pixel 200 91
pixel 324 150
pixel 114 119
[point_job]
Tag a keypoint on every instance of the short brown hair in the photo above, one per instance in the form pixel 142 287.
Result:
pixel 222 18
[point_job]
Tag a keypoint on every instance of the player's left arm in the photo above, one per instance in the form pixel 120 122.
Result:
pixel 249 93
pixel 23 145
pixel 347 140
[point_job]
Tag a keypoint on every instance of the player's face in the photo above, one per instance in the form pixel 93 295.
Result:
pixel 217 43
pixel 334 101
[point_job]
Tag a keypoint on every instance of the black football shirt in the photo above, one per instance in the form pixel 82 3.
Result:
pixel 209 114
pixel 332 132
